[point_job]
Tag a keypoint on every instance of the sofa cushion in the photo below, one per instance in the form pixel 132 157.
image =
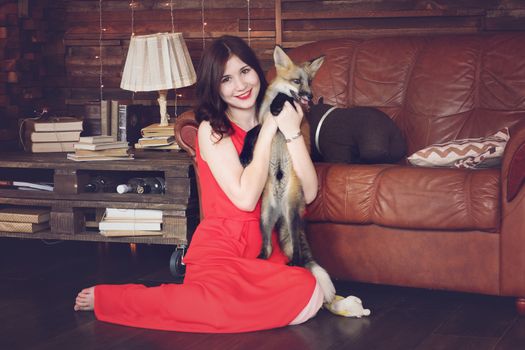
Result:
pixel 464 153
pixel 436 88
pixel 408 197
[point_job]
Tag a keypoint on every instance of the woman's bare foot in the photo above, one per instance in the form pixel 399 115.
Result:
pixel 85 300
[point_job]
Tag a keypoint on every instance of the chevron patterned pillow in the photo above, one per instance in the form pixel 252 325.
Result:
pixel 480 152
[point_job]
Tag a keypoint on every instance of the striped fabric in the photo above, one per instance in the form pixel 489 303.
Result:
pixel 157 62
pixel 466 153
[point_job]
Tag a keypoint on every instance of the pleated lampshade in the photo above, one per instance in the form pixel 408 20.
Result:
pixel 157 62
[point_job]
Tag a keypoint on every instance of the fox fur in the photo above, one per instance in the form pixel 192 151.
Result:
pixel 283 202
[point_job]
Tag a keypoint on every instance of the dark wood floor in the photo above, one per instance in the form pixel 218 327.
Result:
pixel 39 280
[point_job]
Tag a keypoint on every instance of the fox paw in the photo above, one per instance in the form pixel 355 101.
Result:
pixel 278 103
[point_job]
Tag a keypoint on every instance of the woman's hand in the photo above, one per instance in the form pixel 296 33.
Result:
pixel 269 124
pixel 289 123
pixel 289 120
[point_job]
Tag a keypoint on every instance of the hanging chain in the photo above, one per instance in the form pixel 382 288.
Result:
pixel 173 31
pixel 171 13
pixel 132 5
pixel 203 25
pixel 249 24
pixel 101 67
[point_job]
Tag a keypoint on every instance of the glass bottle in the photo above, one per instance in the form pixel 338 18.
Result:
pixel 156 185
pixel 99 183
pixel 134 185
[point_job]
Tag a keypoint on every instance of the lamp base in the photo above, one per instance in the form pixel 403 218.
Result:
pixel 162 100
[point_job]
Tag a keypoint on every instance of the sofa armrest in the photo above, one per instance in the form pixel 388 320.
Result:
pixel 513 165
pixel 512 236
pixel 186 128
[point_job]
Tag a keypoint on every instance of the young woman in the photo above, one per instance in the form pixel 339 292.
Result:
pixel 226 288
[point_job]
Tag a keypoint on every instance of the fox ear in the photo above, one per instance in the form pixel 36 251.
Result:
pixel 280 58
pixel 313 66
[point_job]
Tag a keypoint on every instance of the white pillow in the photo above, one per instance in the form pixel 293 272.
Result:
pixel 465 153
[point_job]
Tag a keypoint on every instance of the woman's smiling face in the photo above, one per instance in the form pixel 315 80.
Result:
pixel 240 84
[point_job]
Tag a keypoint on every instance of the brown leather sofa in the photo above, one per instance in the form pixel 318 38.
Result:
pixel 442 228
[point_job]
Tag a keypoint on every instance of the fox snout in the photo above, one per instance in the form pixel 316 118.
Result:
pixel 303 97
pixel 306 95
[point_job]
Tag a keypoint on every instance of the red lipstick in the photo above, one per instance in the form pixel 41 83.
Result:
pixel 245 96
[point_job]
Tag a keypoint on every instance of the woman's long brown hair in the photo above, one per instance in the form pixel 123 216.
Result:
pixel 210 105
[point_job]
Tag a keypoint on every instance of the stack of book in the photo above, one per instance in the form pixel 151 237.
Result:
pixel 56 134
pixel 94 148
pixel 155 136
pixel 131 222
pixel 27 220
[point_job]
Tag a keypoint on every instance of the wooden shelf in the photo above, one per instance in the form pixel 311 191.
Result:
pixel 69 205
pixel 177 161
pixel 128 200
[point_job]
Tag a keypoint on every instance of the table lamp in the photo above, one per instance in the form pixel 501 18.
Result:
pixel 158 62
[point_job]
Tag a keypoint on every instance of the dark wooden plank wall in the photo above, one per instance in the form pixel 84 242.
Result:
pixel 48 48
pixel 305 21
pixel 26 60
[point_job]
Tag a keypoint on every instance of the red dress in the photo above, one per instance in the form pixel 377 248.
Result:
pixel 226 288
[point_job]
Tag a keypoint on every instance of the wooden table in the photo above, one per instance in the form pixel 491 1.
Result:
pixel 75 213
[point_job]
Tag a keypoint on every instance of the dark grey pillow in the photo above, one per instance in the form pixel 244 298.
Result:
pixel 354 135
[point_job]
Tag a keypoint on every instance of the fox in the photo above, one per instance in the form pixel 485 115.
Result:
pixel 283 203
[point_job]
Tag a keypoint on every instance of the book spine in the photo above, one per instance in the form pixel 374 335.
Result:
pixel 50 136
pixel 114 120
pixel 134 226
pixel 104 117
pixel 133 213
pixel 127 233
pixel 44 147
pixel 22 227
pixel 24 218
pixel 122 122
